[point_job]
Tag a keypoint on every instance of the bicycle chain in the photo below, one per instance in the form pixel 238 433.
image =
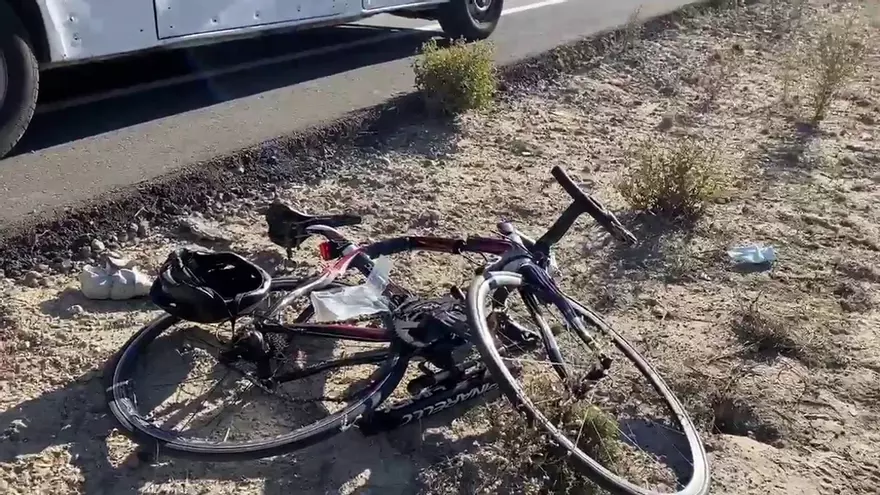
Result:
pixel 276 348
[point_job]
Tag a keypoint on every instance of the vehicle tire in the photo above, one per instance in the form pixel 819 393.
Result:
pixel 485 284
pixel 470 19
pixel 122 402
pixel 19 79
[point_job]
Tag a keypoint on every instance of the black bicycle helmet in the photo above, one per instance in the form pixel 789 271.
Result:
pixel 208 287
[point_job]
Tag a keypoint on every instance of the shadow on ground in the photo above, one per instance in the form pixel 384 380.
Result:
pixel 75 417
pixel 91 119
pixel 59 306
pixel 662 252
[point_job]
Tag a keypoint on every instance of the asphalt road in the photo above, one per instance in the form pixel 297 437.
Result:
pixel 77 148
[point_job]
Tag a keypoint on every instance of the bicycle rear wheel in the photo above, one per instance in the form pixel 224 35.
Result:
pixel 153 412
pixel 597 441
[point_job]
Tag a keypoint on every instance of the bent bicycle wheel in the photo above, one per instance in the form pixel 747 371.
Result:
pixel 597 425
pixel 172 388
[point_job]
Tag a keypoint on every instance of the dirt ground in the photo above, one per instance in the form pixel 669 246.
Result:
pixel 780 366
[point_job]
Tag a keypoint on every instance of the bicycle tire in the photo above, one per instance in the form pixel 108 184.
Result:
pixel 483 339
pixel 121 403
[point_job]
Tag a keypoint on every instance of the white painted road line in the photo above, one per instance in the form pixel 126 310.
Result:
pixel 224 71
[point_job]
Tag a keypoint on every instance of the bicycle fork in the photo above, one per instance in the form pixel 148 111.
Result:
pixel 538 278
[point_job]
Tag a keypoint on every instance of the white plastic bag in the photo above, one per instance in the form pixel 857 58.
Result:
pixel 753 254
pixel 360 300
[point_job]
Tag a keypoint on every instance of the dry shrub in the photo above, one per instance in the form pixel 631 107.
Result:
pixel 834 58
pixel 456 78
pixel 767 334
pixel 720 403
pixel 784 16
pixel 789 74
pixel 673 179
pixel 719 75
pixel 628 37
pixel 518 458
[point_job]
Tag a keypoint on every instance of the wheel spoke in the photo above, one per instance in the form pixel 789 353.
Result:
pixel 186 404
pixel 604 422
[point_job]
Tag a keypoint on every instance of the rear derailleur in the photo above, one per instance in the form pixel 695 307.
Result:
pixel 251 346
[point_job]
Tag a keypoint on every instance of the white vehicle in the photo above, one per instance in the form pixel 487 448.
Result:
pixel 40 34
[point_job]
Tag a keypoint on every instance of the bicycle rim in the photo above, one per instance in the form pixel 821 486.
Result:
pixel 698 482
pixel 123 403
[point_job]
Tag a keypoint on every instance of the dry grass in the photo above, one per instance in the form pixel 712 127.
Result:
pixel 672 178
pixel 520 459
pixel 835 57
pixel 718 75
pixel 456 78
pixel 721 403
pixel 766 334
pixel 628 37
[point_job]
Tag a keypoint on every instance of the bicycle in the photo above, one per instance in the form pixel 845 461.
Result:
pixel 523 265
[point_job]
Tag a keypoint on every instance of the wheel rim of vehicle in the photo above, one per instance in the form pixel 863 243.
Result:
pixel 479 8
pixel 3 77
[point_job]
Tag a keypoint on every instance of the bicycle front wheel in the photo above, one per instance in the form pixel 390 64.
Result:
pixel 593 421
pixel 172 390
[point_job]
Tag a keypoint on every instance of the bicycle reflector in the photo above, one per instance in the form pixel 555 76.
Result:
pixel 326 251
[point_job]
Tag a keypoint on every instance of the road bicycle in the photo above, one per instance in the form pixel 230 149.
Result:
pixel 264 349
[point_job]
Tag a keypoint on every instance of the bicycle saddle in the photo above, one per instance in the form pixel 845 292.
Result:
pixel 287 226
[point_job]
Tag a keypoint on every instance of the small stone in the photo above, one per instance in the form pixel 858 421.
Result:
pixel 855 147
pixel 847 159
pixel 65 266
pixel 42 268
pixel 659 312
pixel 430 218
pixel 31 279
pixel 85 253
pixel 385 161
pixel 201 229
pixel 666 123
pixel 97 246
pixel 75 310
pixel 143 228
pixel 112 238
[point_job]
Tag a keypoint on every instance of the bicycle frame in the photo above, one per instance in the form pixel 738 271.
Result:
pixel 361 259
pixel 518 253
pixel 475 381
